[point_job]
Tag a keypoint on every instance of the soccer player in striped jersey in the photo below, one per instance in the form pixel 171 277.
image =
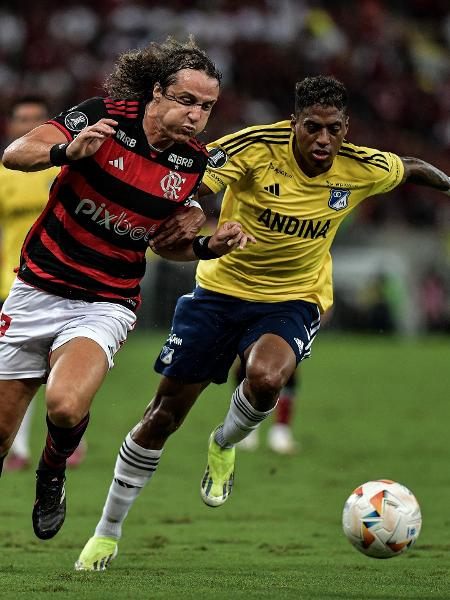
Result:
pixel 129 162
pixel 290 184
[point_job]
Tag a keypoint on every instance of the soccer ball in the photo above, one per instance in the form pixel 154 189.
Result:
pixel 382 518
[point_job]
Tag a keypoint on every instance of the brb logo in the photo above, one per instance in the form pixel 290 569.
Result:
pixel 119 224
pixel 171 184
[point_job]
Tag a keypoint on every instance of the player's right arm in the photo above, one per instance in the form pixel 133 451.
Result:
pixel 422 173
pixel 31 152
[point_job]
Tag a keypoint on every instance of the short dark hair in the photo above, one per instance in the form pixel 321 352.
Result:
pixel 322 90
pixel 137 71
pixel 28 99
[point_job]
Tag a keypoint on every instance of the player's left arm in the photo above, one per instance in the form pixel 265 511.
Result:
pixel 226 238
pixel 420 172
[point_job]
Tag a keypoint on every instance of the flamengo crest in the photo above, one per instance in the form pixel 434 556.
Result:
pixel 338 199
pixel 171 184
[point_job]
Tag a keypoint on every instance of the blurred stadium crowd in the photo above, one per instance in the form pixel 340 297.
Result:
pixel 393 56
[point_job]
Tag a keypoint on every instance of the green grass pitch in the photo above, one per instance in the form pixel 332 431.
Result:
pixel 369 408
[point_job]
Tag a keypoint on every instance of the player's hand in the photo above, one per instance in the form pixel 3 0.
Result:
pixel 89 140
pixel 179 229
pixel 228 237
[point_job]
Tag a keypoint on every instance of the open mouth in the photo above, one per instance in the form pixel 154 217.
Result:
pixel 320 155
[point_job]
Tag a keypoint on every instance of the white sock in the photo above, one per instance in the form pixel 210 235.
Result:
pixel 134 467
pixel 21 445
pixel 241 419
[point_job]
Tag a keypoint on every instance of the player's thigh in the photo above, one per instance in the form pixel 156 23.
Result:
pixel 82 353
pixel 26 333
pixel 293 323
pixel 15 396
pixel 77 370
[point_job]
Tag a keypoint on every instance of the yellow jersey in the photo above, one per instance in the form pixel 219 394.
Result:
pixel 22 198
pixel 293 217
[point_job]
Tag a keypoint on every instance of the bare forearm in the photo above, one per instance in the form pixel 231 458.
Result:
pixel 422 173
pixel 225 239
pixel 31 152
pixel 23 155
pixel 182 254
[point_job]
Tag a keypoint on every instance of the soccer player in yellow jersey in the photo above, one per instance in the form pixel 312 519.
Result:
pixel 290 184
pixel 22 198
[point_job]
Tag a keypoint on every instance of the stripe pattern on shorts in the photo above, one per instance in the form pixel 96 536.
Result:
pixel 311 334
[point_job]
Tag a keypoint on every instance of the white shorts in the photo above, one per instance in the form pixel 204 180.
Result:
pixel 34 323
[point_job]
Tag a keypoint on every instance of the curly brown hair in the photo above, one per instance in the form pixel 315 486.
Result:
pixel 137 71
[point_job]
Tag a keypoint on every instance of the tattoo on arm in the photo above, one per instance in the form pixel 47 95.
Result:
pixel 420 172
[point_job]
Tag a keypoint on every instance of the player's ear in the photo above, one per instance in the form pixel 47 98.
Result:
pixel 293 121
pixel 346 125
pixel 157 91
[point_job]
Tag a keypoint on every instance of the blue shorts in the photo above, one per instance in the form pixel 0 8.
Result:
pixel 209 330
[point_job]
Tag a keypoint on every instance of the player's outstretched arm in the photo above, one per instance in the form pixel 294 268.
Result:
pixel 31 152
pixel 420 172
pixel 228 237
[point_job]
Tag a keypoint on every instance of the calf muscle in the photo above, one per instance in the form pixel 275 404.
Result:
pixel 15 396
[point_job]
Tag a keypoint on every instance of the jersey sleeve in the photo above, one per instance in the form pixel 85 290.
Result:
pixel 390 171
pixel 73 120
pixel 224 167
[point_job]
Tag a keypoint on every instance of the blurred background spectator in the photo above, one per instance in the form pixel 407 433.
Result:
pixel 393 56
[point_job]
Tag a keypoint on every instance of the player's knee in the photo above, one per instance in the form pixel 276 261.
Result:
pixel 64 410
pixel 264 383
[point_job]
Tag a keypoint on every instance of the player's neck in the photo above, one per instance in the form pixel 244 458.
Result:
pixel 157 139
pixel 157 142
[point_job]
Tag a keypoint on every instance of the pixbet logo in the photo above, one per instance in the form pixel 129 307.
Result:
pixel 171 184
pixel 119 224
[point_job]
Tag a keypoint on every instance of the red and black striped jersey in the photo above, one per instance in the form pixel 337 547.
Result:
pixel 89 243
